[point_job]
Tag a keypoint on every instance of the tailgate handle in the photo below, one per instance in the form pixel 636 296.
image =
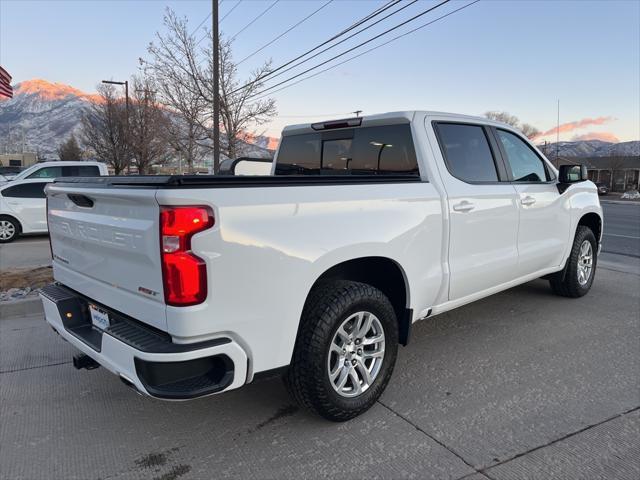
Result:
pixel 80 200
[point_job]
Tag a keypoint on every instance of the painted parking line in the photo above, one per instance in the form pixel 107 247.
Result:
pixel 621 236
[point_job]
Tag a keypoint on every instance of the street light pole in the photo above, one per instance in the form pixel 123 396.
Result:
pixel 126 107
pixel 216 87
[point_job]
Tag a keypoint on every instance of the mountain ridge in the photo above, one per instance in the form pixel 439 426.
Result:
pixel 44 114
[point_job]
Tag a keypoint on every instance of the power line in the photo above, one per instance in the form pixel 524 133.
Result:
pixel 229 12
pixel 376 12
pixel 415 17
pixel 344 39
pixel 260 95
pixel 286 31
pixel 200 24
pixel 254 20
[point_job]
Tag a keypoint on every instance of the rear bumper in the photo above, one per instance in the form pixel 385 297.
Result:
pixel 142 356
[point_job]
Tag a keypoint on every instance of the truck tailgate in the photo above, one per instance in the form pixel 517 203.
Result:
pixel 105 244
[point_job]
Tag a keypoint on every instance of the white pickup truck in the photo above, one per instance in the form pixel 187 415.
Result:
pixel 189 286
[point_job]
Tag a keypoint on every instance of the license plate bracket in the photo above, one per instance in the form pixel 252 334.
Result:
pixel 99 318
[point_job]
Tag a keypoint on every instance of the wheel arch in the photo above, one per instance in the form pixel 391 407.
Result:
pixel 594 222
pixel 384 274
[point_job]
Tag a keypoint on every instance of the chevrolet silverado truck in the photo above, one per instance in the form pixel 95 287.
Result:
pixel 186 286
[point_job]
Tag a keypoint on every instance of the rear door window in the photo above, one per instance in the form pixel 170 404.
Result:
pixel 467 153
pixel 80 171
pixel 25 190
pixel 383 150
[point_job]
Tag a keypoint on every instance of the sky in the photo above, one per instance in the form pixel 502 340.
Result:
pixel 507 55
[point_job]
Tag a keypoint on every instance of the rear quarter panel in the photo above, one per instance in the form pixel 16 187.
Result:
pixel 269 246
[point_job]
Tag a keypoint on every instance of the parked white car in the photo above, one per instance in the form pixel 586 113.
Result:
pixel 186 286
pixel 23 201
pixel 63 169
pixel 23 208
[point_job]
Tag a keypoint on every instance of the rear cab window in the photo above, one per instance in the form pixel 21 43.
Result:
pixel 379 150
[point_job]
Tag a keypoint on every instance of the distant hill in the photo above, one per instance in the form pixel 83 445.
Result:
pixel 42 115
pixel 593 148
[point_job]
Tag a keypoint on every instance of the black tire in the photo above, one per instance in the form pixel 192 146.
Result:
pixel 5 221
pixel 565 283
pixel 328 306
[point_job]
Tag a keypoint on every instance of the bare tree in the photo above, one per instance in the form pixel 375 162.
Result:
pixel 184 73
pixel 70 150
pixel 505 117
pixel 148 125
pixel 104 129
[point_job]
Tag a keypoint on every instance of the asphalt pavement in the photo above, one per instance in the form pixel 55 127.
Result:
pixel 621 229
pixel 523 384
pixel 28 251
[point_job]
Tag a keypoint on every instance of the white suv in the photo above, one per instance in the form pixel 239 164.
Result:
pixel 62 169
pixel 23 207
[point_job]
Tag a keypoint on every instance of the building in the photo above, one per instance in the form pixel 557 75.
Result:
pixel 620 174
pixel 23 160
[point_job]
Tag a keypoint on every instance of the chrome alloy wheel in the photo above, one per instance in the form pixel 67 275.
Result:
pixel 585 262
pixel 7 230
pixel 356 354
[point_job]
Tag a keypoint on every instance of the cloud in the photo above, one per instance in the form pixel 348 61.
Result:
pixel 604 136
pixel 578 124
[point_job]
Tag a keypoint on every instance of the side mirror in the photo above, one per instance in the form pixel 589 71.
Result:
pixel 573 173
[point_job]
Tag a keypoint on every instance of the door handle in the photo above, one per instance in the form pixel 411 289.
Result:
pixel 464 206
pixel 528 200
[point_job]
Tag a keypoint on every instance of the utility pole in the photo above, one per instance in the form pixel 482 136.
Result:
pixel 216 87
pixel 558 137
pixel 357 112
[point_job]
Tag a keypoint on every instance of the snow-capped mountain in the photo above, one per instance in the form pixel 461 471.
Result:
pixel 42 115
pixel 593 148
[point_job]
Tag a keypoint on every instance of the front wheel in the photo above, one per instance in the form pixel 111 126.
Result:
pixel 577 277
pixel 345 351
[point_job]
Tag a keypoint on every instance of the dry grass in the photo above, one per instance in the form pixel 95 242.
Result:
pixel 25 277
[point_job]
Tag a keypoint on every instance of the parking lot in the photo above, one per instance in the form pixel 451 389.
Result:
pixel 523 384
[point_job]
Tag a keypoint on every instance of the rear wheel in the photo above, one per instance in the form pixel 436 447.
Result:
pixel 577 277
pixel 345 351
pixel 9 229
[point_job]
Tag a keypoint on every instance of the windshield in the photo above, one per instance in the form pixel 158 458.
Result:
pixel 27 172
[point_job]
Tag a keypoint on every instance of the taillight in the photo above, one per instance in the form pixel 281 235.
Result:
pixel 184 275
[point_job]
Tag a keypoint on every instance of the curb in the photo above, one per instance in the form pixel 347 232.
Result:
pixel 21 308
pixel 621 202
